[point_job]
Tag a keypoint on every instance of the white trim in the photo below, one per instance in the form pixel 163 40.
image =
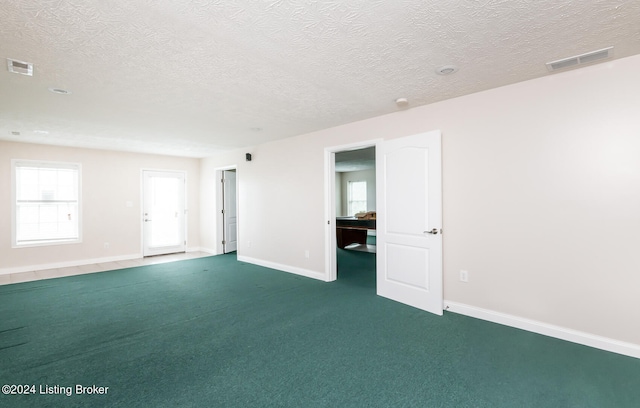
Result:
pixel 219 207
pixel 80 262
pixel 563 333
pixel 330 269
pixel 286 268
pixel 198 249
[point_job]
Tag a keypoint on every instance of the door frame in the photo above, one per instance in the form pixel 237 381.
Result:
pixel 331 260
pixel 186 206
pixel 220 206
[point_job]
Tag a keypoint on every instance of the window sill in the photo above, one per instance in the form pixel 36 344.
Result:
pixel 47 243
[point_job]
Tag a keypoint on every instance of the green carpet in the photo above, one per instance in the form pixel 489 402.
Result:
pixel 214 332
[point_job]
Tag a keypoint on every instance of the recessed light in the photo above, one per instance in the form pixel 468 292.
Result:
pixel 446 70
pixel 60 91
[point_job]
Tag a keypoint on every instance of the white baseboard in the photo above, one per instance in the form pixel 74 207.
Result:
pixel 207 250
pixel 201 249
pixel 67 264
pixel 574 336
pixel 286 268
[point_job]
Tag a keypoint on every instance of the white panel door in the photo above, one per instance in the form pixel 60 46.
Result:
pixel 230 240
pixel 409 240
pixel 163 205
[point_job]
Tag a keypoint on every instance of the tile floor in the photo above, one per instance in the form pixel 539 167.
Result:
pixel 92 268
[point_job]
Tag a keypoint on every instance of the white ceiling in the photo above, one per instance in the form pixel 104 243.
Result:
pixel 355 160
pixel 193 77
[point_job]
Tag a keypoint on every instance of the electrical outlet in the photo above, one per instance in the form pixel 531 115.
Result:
pixel 248 244
pixel 464 276
pixel 306 254
pixel 106 245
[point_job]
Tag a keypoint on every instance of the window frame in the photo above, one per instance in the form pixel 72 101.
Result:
pixel 15 163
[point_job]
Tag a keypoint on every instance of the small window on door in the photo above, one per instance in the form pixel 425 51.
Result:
pixel 357 197
pixel 46 205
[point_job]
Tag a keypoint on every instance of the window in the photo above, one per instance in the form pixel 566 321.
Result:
pixel 46 203
pixel 356 197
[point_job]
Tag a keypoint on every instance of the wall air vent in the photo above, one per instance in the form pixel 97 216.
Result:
pixel 587 58
pixel 20 67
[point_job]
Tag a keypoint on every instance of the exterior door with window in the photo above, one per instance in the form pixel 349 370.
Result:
pixel 164 211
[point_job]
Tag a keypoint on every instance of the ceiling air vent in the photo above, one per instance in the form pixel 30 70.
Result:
pixel 586 58
pixel 20 67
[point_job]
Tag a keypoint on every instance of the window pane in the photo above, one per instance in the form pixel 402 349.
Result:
pixel 48 213
pixel 67 184
pixel 164 211
pixel 359 191
pixel 47 184
pixel 26 213
pixel 26 183
pixel 357 197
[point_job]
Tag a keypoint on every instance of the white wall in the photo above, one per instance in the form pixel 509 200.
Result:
pixel 338 195
pixel 541 196
pixel 362 175
pixel 109 180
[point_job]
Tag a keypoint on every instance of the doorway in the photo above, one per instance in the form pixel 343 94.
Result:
pixel 333 195
pixel 355 192
pixel 229 212
pixel 164 212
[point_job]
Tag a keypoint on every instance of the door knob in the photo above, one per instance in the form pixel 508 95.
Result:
pixel 146 220
pixel 433 231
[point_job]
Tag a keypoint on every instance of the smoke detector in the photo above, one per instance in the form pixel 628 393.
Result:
pixel 402 102
pixel 581 59
pixel 20 67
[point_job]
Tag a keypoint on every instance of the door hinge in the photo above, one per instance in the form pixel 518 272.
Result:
pixel 328 222
pixel 222 211
pixel 224 242
pixel 222 180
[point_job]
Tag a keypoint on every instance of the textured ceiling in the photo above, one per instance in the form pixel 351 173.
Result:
pixel 356 160
pixel 193 77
